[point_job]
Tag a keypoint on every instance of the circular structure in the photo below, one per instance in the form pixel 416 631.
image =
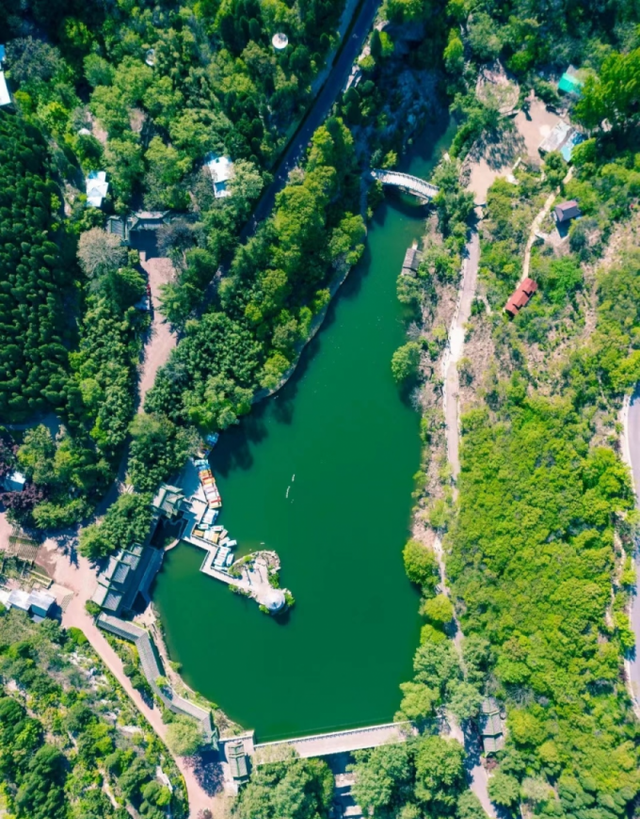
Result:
pixel 274 600
pixel 279 41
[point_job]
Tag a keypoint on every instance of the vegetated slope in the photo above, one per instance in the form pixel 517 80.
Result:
pixel 65 754
pixel 167 83
pixel 540 548
pixel 277 283
pixel 34 285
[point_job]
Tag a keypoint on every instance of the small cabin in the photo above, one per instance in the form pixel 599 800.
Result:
pixel 221 170
pixel 411 263
pixel 566 211
pixel 520 297
pixel 570 83
pixel 237 760
pixel 491 726
pixel 96 188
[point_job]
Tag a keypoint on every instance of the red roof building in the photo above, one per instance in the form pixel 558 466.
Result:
pixel 520 297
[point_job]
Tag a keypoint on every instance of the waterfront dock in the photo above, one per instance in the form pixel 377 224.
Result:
pixel 252 575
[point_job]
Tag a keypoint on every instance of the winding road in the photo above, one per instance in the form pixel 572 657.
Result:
pixel 631 420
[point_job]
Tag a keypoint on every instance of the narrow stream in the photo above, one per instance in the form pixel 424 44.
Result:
pixel 341 428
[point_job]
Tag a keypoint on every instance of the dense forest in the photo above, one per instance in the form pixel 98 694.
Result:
pixel 36 282
pixel 144 92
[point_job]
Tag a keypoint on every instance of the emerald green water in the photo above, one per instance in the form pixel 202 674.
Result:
pixel 341 428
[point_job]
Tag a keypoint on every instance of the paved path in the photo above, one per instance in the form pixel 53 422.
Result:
pixel 80 578
pixel 162 339
pixel 338 742
pixel 631 453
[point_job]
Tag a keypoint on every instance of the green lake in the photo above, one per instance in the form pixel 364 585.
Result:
pixel 340 427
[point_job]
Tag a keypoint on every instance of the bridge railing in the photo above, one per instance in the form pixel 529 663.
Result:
pixel 405 181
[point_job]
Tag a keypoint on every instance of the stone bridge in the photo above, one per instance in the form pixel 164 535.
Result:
pixel 337 741
pixel 405 182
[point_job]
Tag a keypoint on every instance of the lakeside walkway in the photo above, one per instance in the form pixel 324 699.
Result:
pixel 152 670
pixel 477 775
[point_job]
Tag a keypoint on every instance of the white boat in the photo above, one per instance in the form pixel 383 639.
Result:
pixel 230 558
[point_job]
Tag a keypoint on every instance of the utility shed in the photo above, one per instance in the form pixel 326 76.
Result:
pixel 411 263
pixel 221 170
pixel 96 188
pixel 491 726
pixel 566 211
pixel 237 760
pixel 570 83
pixel 520 297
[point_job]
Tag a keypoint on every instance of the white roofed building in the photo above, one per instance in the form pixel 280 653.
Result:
pixel 97 188
pixel 221 170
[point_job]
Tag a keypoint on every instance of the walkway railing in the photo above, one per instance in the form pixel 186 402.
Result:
pixel 350 740
pixel 151 669
pixel 406 182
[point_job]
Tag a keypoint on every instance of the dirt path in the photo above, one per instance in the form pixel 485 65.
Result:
pixel 455 349
pixel 476 774
pixel 162 339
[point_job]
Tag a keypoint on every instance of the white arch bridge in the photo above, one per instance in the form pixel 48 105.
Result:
pixel 406 182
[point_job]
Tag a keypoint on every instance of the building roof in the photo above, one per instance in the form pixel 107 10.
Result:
pixel 412 259
pixel 491 725
pixel 112 601
pixel 119 583
pixel 279 41
pixel 555 138
pixel 96 188
pixel 519 298
pixel 100 594
pixel 168 499
pixel 570 84
pixel 121 573
pixel 492 744
pixel 567 210
pixel 572 140
pixel 237 760
pixel 2 53
pixel 5 96
pixel 14 482
pixel 20 599
pixel 221 170
pixel 274 599
pixel 41 600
